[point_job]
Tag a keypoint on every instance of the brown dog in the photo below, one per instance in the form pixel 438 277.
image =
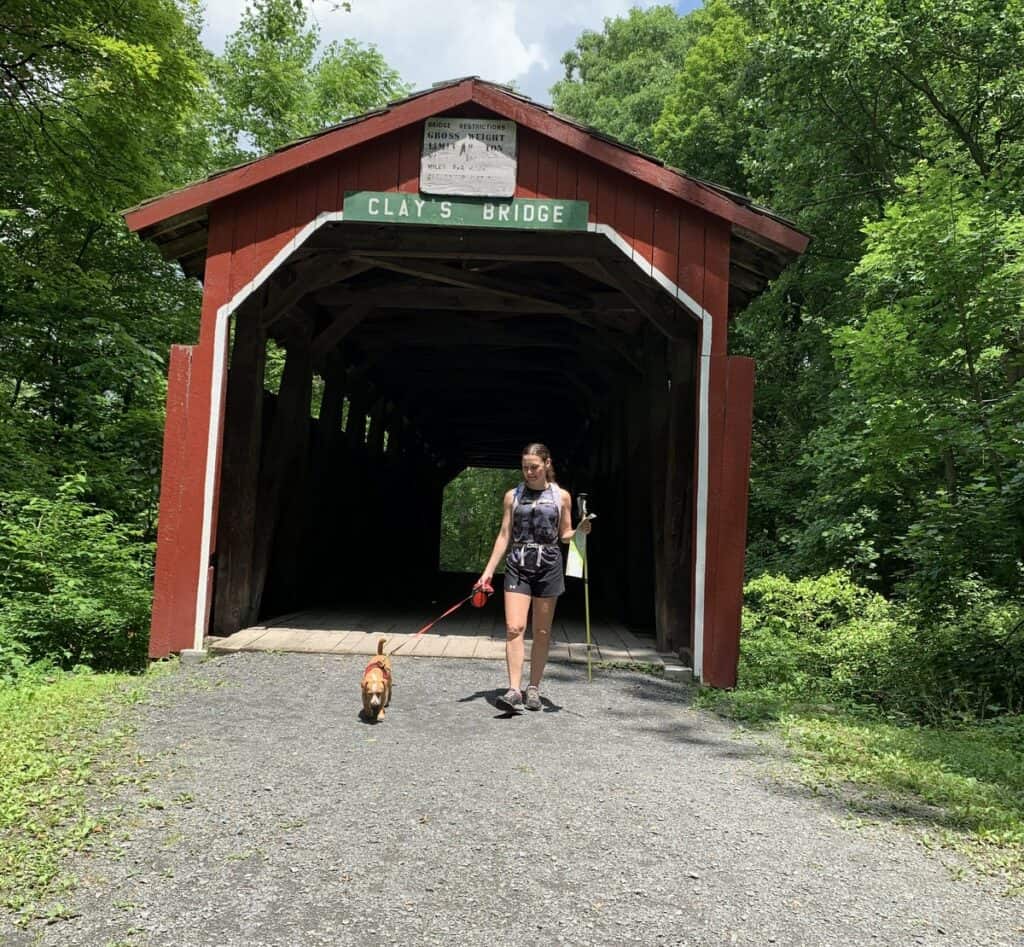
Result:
pixel 376 685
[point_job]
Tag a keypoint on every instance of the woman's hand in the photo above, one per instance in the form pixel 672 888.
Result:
pixel 484 582
pixel 584 526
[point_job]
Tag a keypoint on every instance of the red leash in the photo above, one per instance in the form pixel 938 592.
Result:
pixel 479 596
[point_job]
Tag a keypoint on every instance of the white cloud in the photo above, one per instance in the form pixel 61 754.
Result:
pixel 427 42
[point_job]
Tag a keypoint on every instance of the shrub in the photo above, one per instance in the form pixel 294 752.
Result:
pixel 962 659
pixel 818 639
pixel 827 640
pixel 74 584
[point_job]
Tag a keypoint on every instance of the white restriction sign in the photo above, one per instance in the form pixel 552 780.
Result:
pixel 473 157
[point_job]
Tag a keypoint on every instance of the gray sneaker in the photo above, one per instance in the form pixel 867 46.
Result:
pixel 511 700
pixel 533 697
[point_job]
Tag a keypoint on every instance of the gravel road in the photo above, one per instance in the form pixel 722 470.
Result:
pixel 617 815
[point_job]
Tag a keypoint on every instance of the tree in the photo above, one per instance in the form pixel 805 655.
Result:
pixel 617 80
pixel 101 107
pixel 271 86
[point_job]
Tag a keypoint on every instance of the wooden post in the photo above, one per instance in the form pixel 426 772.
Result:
pixel 286 446
pixel 240 472
pixel 639 563
pixel 657 406
pixel 325 472
pixel 681 431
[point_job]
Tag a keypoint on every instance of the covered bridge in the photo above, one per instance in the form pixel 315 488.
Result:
pixel 466 271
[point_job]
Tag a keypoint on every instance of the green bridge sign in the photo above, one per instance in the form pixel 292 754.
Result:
pixel 519 213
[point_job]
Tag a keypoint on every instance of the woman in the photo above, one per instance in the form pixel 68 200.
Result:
pixel 536 515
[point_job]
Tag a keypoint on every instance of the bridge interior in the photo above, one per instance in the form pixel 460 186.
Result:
pixel 413 353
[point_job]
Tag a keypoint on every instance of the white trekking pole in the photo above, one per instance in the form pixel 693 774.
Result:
pixel 581 507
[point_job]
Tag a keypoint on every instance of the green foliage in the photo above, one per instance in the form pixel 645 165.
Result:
pixel 618 79
pixel 704 126
pixel 97 96
pixel 813 639
pixel 471 517
pixel 107 104
pixel 828 640
pixel 74 584
pixel 54 749
pixel 271 86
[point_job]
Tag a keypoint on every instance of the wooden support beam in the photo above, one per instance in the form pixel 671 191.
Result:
pixel 302 279
pixel 671 318
pixel 285 448
pixel 468 279
pixel 442 243
pixel 657 417
pixel 679 512
pixel 342 324
pixel 239 478
pixel 185 245
pixel 426 296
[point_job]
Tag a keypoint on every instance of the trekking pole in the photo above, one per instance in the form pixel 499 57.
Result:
pixel 581 503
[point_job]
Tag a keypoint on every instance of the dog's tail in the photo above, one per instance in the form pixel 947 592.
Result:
pixel 380 645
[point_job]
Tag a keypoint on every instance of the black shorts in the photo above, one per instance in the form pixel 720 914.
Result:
pixel 541 579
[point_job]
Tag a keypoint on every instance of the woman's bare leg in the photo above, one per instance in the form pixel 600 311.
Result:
pixel 517 608
pixel 543 618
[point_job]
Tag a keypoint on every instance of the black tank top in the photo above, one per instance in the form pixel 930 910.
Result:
pixel 536 514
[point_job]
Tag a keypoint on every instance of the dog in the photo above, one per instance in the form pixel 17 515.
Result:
pixel 376 685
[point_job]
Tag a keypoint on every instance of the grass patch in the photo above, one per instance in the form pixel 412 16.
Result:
pixel 965 781
pixel 58 735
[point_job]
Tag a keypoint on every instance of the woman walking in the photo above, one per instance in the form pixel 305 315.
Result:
pixel 536 515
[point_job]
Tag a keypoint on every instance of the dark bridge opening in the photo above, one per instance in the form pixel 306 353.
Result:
pixel 440 350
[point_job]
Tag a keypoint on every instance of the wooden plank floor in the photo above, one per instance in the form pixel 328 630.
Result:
pixel 469 633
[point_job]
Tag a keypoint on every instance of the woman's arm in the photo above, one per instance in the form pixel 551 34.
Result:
pixel 565 530
pixel 501 541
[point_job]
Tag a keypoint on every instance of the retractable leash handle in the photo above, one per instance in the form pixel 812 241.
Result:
pixel 482 591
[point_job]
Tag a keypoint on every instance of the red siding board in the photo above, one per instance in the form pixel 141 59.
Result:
pixel 665 237
pixel 568 173
pixel 305 198
pixel 723 654
pixel 173 593
pixel 547 171
pixel 624 215
pixel 606 193
pixel 586 187
pixel 246 219
pixel 346 179
pixel 410 153
pixel 690 273
pixel 327 186
pixel 526 165
pixel 378 165
pixel 643 224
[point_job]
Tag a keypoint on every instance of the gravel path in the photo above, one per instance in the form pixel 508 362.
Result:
pixel 618 815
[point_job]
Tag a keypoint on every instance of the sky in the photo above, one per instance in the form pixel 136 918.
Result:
pixel 431 41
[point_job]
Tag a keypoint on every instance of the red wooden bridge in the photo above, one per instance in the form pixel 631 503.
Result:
pixel 589 310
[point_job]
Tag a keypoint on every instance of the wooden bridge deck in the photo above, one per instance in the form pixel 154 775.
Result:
pixel 469 633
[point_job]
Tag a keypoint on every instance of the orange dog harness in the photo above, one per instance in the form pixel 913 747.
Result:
pixel 377 663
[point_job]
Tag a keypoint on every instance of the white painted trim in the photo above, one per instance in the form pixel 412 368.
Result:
pixel 217 396
pixel 220 343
